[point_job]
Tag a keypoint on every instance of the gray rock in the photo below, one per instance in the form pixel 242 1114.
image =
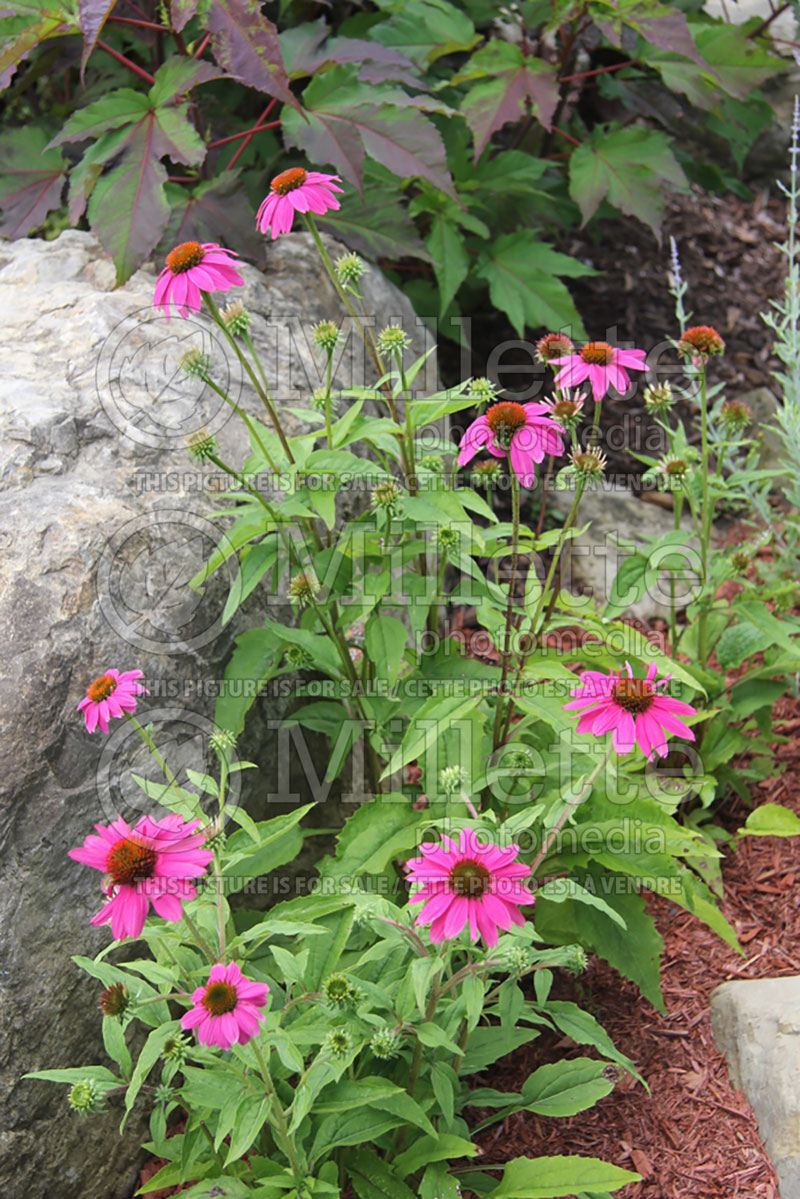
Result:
pixel 619 523
pixel 757 1027
pixel 764 406
pixel 103 519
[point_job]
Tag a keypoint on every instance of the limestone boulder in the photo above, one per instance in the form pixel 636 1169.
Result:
pixel 104 518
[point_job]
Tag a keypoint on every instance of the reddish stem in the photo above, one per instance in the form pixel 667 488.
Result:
pixel 202 45
pixel 568 136
pixel 234 137
pixel 246 141
pixel 597 71
pixel 139 24
pixel 126 62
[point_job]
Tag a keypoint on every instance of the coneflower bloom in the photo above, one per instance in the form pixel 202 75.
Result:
pixel 524 432
pixel 112 694
pixel 566 408
pixel 631 709
pixel 553 346
pixel 700 343
pixel 296 190
pixel 150 863
pixel 469 883
pixel 227 1009
pixel 603 365
pixel 191 268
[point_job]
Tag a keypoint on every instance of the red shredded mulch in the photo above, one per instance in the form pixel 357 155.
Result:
pixel 693 1135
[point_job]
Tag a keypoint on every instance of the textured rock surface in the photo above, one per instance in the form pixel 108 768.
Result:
pixel 103 519
pixel 757 1027
pixel 620 519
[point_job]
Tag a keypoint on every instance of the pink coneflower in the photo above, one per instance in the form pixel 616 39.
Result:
pixel 226 1009
pixel 296 190
pixel 603 365
pixel 112 694
pixel 632 708
pixel 150 863
pixel 522 431
pixel 470 883
pixel 192 268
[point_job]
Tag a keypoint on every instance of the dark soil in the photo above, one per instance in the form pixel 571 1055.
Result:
pixel 732 268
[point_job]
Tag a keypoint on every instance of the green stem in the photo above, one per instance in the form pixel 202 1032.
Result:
pixel 568 523
pixel 498 715
pixel 261 391
pixel 199 939
pixel 251 429
pixel 328 381
pixel 366 336
pixel 148 740
pixel 416 1062
pixel 280 1116
pixel 569 808
pixel 705 517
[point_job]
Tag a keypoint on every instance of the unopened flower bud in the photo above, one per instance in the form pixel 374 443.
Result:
pixel 174 1049
pixel 482 392
pixel 302 588
pixel 393 342
pixel 337 1043
pixel 432 462
pixel 448 539
pixel 339 991
pixel 554 345
pixel 236 318
pixel 658 398
pixel 326 336
pixel 115 1000
pixel 485 474
pixel 202 446
pixel 452 779
pixel 298 657
pixel 349 269
pixel 735 416
pixel 195 364
pixel 385 496
pixel 84 1097
pixel 385 1043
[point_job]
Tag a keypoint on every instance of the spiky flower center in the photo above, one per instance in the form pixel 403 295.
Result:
pixel 114 1000
pixel 288 181
pixel 101 688
pixel 185 256
pixel 701 339
pixel 598 353
pixel 505 420
pixel 554 345
pixel 634 695
pixel 469 878
pixel 130 862
pixel 220 997
pixel 676 467
pixel 565 409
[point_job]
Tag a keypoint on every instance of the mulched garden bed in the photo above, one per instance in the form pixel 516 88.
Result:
pixel 693 1135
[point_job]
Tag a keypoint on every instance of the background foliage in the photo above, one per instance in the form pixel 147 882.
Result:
pixel 469 137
